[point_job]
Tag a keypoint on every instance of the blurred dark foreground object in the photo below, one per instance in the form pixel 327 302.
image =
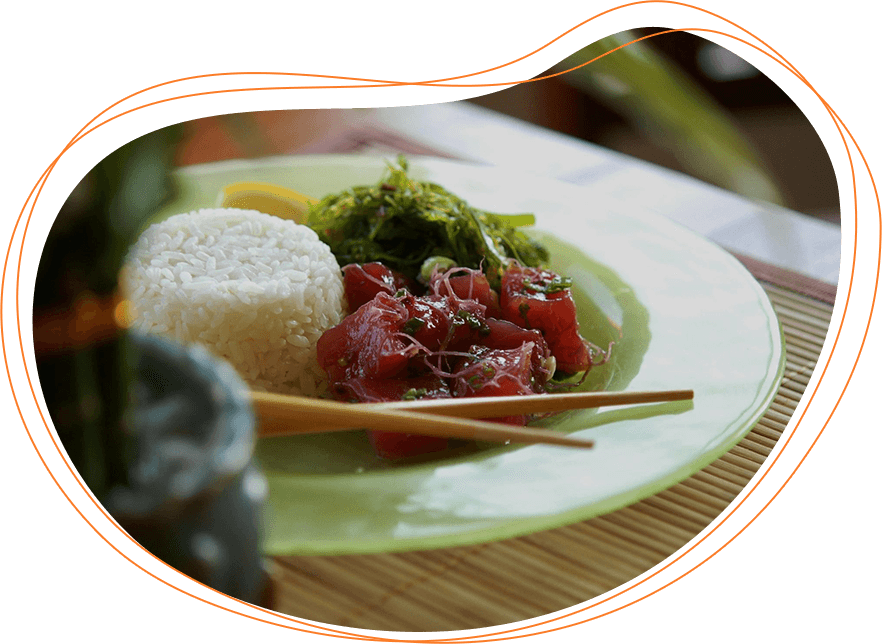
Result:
pixel 193 495
pixel 160 434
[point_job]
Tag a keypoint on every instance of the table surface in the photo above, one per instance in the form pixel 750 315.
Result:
pixel 795 258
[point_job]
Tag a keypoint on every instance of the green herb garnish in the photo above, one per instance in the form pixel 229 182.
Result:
pixel 413 325
pixel 480 379
pixel 556 285
pixel 402 222
pixel 414 394
pixel 559 284
pixel 469 318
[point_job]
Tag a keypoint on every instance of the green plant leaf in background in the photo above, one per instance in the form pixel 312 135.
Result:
pixel 670 109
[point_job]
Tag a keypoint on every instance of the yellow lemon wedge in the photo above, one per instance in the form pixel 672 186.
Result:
pixel 267 198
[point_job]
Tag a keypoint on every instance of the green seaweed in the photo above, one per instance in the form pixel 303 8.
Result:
pixel 401 222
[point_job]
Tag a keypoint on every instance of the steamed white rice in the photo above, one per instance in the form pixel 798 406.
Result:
pixel 253 288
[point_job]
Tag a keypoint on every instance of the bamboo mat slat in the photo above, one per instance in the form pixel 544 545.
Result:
pixel 507 581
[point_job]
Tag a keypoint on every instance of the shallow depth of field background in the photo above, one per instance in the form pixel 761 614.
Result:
pixel 675 100
pixel 763 114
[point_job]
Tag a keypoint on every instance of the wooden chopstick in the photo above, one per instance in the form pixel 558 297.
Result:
pixel 487 407
pixel 290 415
pixel 281 415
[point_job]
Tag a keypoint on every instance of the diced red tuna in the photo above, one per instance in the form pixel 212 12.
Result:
pixel 467 284
pixel 367 343
pixel 443 323
pixel 507 335
pixel 362 282
pixel 496 372
pixel 539 299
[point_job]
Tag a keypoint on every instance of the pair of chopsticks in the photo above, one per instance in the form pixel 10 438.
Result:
pixel 281 415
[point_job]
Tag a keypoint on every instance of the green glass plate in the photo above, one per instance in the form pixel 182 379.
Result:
pixel 681 312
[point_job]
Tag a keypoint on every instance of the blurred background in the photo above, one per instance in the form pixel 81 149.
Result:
pixel 674 100
pixel 597 104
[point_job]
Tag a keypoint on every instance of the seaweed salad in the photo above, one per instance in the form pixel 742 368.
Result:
pixel 414 226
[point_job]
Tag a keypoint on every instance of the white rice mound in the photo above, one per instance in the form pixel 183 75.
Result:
pixel 253 288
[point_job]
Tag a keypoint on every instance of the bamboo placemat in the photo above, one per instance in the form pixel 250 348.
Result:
pixel 507 581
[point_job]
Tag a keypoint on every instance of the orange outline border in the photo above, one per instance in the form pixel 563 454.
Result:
pixel 374 83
